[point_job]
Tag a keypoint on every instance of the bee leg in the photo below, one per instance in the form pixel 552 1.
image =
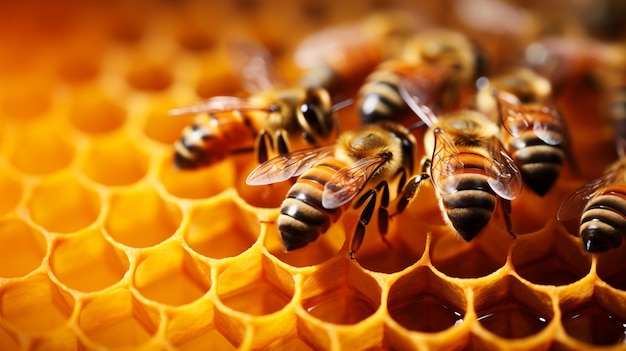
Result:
pixel 506 212
pixel 426 165
pixel 408 192
pixel 262 144
pixel 366 216
pixel 383 213
pixel 282 147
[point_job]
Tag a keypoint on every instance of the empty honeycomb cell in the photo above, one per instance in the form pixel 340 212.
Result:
pixel 599 319
pixel 195 36
pixel 421 301
pixel 39 149
pixel 62 204
pixel 78 68
pixel 115 162
pixel 101 264
pixel 152 219
pixel 484 255
pixel 550 256
pixel 35 305
pixel 116 319
pixel 221 228
pixel 339 301
pixel 196 184
pixel 11 190
pixel 265 288
pixel 510 309
pixel 22 248
pixel 94 113
pixel 255 309
pixel 150 77
pixel 341 293
pixel 170 276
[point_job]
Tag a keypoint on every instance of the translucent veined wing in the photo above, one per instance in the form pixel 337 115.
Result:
pixel 411 93
pixel 222 104
pixel 505 178
pixel 574 205
pixel 350 180
pixel 284 167
pixel 544 120
pixel 511 118
pixel 445 163
pixel 255 65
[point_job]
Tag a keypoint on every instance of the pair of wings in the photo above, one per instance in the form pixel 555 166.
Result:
pixel 544 120
pixel 342 187
pixel 574 205
pixel 503 175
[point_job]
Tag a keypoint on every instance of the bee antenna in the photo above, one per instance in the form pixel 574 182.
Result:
pixel 416 125
pixel 341 105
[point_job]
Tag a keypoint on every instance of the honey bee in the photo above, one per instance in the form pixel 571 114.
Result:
pixel 600 206
pixel 533 130
pixel 441 65
pixel 469 168
pixel 356 170
pixel 339 57
pixel 269 122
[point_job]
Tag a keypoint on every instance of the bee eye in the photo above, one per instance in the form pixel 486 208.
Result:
pixel 311 116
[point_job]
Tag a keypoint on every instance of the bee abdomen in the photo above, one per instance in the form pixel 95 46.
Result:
pixel 604 222
pixel 302 217
pixel 539 163
pixel 470 208
pixel 380 99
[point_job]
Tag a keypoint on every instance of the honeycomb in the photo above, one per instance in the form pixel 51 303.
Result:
pixel 105 245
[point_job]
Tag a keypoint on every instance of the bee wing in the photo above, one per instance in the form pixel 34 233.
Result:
pixel 445 163
pixel 546 121
pixel 505 178
pixel 349 181
pixel 512 117
pixel 284 167
pixel 411 93
pixel 574 205
pixel 255 65
pixel 220 104
pixel 551 127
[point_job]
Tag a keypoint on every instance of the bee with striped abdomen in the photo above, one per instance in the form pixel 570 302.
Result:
pixel 533 130
pixel 270 122
pixel 441 65
pixel 469 168
pixel 355 171
pixel 600 206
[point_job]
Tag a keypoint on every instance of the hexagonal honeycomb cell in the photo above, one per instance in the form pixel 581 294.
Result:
pixel 106 245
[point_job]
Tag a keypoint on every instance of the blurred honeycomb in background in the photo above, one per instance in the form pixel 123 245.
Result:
pixel 105 245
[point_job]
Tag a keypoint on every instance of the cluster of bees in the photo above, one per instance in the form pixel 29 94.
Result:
pixel 484 136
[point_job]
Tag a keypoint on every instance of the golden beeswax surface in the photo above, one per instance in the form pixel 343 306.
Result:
pixel 104 244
